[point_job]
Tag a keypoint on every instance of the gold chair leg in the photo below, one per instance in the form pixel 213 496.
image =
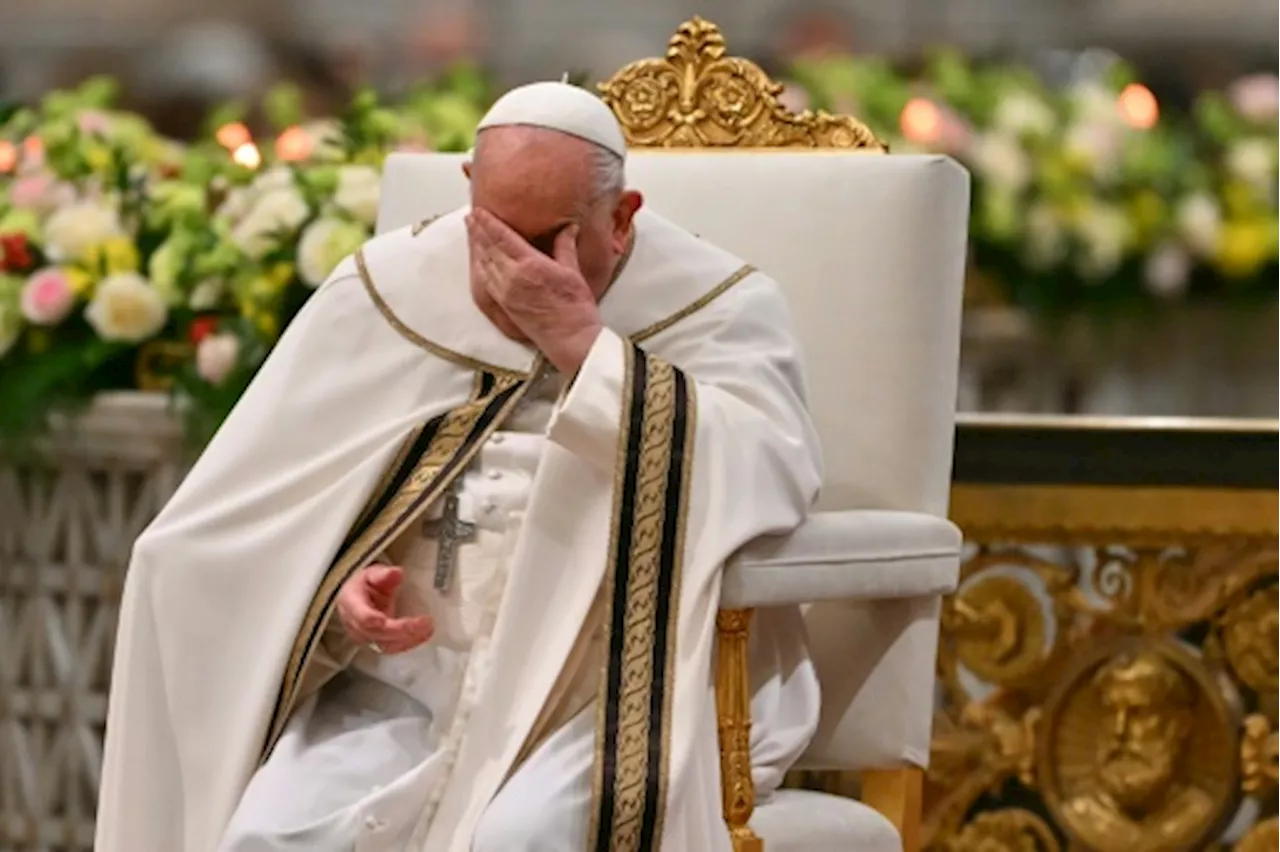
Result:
pixel 897 794
pixel 733 711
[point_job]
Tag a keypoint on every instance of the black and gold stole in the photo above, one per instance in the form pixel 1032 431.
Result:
pixel 428 463
pixel 642 594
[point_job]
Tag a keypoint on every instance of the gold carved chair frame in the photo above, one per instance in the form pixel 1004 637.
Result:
pixel 698 96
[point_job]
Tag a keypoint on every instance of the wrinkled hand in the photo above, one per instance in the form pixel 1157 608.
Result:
pixel 546 297
pixel 366 607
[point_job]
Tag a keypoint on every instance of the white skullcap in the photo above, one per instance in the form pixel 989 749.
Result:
pixel 558 106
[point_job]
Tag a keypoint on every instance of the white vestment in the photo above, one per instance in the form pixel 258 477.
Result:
pixel 489 733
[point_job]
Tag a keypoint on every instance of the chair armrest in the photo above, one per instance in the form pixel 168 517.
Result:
pixel 859 555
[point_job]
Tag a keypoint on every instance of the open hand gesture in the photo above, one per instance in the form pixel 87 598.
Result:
pixel 367 609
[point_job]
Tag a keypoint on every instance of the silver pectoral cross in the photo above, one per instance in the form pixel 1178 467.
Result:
pixel 449 531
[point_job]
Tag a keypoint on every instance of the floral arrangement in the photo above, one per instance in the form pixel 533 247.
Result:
pixel 1085 195
pixel 130 260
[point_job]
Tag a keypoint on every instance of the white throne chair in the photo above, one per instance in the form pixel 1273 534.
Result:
pixel 870 250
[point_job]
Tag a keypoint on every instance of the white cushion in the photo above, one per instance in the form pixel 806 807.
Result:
pixel 865 555
pixel 805 821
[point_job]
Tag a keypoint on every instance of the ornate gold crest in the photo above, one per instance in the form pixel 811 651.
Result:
pixel 1139 750
pixel 699 97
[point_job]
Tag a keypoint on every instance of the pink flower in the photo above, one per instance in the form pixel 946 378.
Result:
pixel 1256 97
pixel 216 356
pixel 40 192
pixel 30 191
pixel 47 297
pixel 93 122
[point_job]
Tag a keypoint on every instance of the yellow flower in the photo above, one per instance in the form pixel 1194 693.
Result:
pixel 1242 248
pixel 279 276
pixel 119 254
pixel 1147 211
pixel 1239 199
pixel 81 282
pixel 97 156
pixel 268 324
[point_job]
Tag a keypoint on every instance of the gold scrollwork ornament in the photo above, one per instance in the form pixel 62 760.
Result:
pixel 700 97
pixel 999 629
pixel 1139 749
pixel 1005 830
pixel 1258 756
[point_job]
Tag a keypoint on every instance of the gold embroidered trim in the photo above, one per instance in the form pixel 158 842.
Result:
pixel 417 339
pixel 455 437
pixel 634 718
pixel 650 570
pixel 384 481
pixel 419 227
pixel 711 295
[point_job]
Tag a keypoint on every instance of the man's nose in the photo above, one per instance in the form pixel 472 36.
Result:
pixel 1120 724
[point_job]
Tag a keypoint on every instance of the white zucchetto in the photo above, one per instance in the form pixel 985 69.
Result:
pixel 558 106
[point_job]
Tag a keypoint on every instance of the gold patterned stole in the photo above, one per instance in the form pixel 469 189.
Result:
pixel 642 594
pixel 432 458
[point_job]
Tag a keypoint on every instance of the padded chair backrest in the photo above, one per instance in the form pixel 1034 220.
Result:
pixel 870 251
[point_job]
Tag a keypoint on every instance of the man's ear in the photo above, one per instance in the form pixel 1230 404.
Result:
pixel 629 203
pixel 466 169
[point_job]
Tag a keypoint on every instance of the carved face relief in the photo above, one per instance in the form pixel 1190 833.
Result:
pixel 1140 741
pixel 1139 749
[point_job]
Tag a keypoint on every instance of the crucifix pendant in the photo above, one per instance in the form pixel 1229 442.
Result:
pixel 449 531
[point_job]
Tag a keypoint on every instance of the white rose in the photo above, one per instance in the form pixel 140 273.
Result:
pixel 1251 161
pixel 127 308
pixel 1103 232
pixel 73 230
pixel 1256 97
pixel 1094 104
pixel 1046 237
pixel 278 213
pixel 1022 113
pixel 276 177
pixel 357 192
pixel 1001 159
pixel 1200 223
pixel 324 244
pixel 326 139
pixel 236 204
pixel 1097 144
pixel 206 295
pixel 216 356
pixel 1167 271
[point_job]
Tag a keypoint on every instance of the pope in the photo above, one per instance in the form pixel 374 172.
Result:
pixel 447 577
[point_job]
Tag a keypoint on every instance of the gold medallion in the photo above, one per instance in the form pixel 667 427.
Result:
pixel 1139 749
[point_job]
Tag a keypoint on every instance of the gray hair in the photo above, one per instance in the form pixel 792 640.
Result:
pixel 608 173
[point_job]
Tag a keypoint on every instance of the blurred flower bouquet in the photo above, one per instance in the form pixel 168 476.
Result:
pixel 127 260
pixel 1087 195
pixel 77 230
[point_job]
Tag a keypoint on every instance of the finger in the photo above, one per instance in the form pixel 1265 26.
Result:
pixel 566 249
pixel 496 274
pixel 403 633
pixel 382 583
pixel 498 236
pixel 360 615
